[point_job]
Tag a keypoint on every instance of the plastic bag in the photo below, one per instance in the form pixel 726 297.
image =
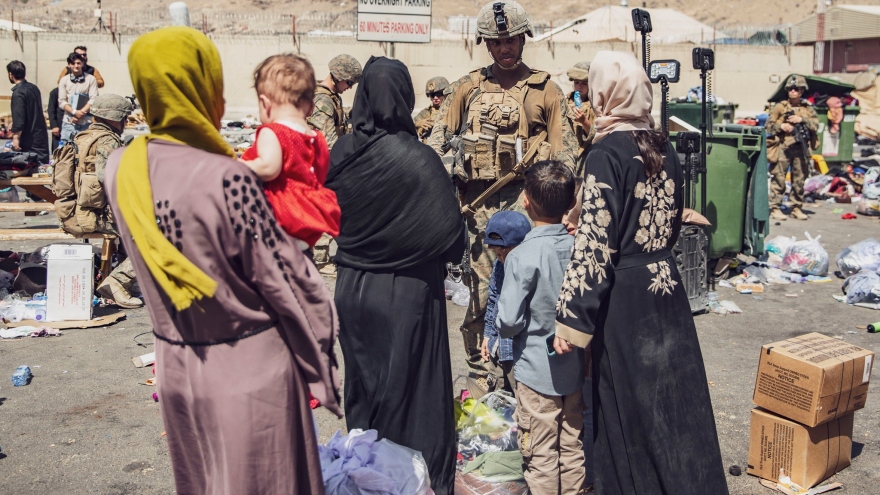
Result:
pixel 779 244
pixel 807 257
pixel 872 175
pixel 356 463
pixel 816 183
pixel 469 484
pixel 863 255
pixel 486 425
pixel 863 287
pixel 871 191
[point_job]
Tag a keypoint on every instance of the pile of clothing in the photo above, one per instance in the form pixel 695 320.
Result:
pixel 860 265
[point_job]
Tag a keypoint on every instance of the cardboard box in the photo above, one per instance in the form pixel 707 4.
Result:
pixel 70 282
pixel 813 378
pixel 808 455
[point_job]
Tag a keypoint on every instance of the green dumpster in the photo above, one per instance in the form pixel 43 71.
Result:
pixel 690 112
pixel 837 148
pixel 736 190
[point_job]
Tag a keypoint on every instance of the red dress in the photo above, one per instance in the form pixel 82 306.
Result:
pixel 303 206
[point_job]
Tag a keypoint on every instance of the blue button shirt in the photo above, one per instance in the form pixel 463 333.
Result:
pixel 498 347
pixel 533 275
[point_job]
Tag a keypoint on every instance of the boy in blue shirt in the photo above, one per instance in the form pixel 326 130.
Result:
pixel 504 231
pixel 548 389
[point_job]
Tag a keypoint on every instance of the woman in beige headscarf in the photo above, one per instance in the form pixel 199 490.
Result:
pixel 623 297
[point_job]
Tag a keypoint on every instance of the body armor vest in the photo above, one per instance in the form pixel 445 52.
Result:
pixel 498 133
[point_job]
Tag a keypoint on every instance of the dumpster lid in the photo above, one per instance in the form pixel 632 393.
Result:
pixel 821 85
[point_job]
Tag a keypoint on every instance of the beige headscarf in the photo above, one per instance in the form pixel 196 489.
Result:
pixel 621 94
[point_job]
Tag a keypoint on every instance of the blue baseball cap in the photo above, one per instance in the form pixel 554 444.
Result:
pixel 507 228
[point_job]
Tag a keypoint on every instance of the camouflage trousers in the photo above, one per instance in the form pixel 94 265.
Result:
pixel 124 273
pixel 481 260
pixel 800 168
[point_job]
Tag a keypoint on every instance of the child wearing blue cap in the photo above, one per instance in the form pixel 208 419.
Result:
pixel 504 231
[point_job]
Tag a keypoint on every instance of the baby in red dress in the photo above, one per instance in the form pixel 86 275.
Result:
pixel 290 158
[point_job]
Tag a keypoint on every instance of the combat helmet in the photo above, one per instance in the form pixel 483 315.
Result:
pixel 796 81
pixel 502 19
pixel 580 72
pixel 345 68
pixel 435 84
pixel 112 107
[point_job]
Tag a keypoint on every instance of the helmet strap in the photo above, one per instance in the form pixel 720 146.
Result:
pixel 519 58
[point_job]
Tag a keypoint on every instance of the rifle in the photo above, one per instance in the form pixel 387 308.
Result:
pixel 801 135
pixel 541 144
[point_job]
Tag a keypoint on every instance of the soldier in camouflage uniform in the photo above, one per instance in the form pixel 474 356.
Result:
pixel 425 119
pixel 781 124
pixel 505 105
pixel 330 118
pixel 582 118
pixel 110 113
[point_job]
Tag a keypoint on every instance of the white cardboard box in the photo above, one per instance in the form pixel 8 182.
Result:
pixel 70 282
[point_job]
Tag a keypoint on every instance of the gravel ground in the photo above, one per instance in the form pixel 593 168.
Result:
pixel 87 423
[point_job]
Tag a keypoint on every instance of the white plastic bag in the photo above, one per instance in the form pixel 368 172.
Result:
pixel 807 257
pixel 863 287
pixel 779 244
pixel 356 463
pixel 863 255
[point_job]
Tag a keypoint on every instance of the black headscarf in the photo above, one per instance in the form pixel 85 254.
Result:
pixel 398 204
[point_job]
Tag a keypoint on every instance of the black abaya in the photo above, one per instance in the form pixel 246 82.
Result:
pixel 654 431
pixel 400 225
pixel 397 368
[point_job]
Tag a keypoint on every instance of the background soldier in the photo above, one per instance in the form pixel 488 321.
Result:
pixel 94 146
pixel 582 118
pixel 329 117
pixel 425 119
pixel 501 109
pixel 781 123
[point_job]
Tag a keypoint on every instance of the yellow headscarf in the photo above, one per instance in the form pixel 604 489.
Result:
pixel 178 80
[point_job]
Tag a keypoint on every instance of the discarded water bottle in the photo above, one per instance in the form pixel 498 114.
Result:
pixel 22 376
pixel 577 99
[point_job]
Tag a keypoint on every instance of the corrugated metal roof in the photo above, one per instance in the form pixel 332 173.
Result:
pixel 867 9
pixel 842 22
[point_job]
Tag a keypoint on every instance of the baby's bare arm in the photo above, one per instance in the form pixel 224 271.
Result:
pixel 268 163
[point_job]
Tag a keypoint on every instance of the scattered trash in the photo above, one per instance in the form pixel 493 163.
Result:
pixel 22 376
pixel 791 295
pixel 152 381
pixel 725 283
pixel 155 397
pixel 145 360
pixel 758 288
pixel 863 287
pixel 837 211
pixel 457 291
pixel 863 255
pixel 735 470
pixel 851 332
pixel 848 216
pixel 758 298
pixel 807 257
pixel 485 425
pixel 724 307
pixel 358 463
pixel 779 244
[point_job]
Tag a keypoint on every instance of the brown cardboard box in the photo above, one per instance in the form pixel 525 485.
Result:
pixel 813 378
pixel 808 455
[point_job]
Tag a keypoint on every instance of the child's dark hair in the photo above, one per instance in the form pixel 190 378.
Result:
pixel 550 186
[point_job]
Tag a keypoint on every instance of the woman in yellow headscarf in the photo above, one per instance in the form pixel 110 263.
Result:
pixel 244 325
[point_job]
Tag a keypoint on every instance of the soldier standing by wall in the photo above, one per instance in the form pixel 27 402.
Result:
pixel 329 117
pixel 500 112
pixel 435 91
pixel 781 123
pixel 581 116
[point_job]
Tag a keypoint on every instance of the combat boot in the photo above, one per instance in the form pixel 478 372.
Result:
pixel 798 214
pixel 777 214
pixel 112 289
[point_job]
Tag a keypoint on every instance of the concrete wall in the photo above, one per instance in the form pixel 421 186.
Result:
pixel 744 74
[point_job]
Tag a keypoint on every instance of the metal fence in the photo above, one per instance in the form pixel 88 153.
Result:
pixel 55 18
